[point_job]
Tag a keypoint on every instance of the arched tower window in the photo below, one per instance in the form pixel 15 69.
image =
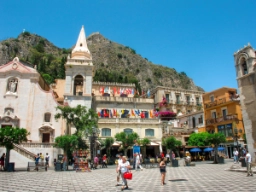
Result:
pixel 244 66
pixel 78 85
pixel 12 85
pixel 47 117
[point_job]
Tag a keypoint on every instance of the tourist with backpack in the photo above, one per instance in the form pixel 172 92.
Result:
pixel 47 158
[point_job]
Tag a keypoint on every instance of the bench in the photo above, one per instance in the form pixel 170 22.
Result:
pixel 41 165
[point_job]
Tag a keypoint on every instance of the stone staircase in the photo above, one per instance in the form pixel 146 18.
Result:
pixel 24 152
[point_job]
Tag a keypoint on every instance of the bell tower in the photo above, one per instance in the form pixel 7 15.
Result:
pixel 79 73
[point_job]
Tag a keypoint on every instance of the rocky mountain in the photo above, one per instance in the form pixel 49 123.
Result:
pixel 113 62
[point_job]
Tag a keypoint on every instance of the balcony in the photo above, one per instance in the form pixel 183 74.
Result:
pixel 221 101
pixel 123 99
pixel 221 119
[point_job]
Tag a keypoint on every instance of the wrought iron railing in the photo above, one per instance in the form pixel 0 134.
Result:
pixel 221 119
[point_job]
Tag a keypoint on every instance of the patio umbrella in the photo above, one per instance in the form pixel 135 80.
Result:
pixel 208 149
pixel 195 150
pixel 221 149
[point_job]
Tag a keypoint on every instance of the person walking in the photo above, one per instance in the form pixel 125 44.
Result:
pixel 137 163
pixel 248 159
pixel 37 157
pixel 96 162
pixel 118 171
pixel 235 155
pixel 167 157
pixel 41 159
pixel 2 161
pixel 47 158
pixel 104 159
pixel 64 160
pixel 162 167
pixel 173 155
pixel 124 167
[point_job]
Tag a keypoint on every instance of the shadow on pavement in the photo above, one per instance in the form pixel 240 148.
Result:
pixel 175 180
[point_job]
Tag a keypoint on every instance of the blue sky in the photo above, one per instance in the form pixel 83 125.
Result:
pixel 198 37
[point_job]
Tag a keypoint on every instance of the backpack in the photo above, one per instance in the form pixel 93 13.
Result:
pixel 46 158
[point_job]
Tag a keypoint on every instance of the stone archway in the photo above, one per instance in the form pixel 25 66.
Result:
pixel 46 134
pixel 9 121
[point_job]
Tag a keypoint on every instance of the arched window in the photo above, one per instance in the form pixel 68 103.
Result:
pixel 244 66
pixel 47 117
pixel 12 85
pixel 78 85
pixel 149 132
pixel 106 132
pixel 8 111
pixel 128 131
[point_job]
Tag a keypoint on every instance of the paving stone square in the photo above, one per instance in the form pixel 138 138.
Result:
pixel 205 176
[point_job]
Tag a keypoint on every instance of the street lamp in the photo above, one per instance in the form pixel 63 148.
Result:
pixel 93 136
pixel 235 135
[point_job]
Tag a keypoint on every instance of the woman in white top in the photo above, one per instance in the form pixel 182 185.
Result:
pixel 124 167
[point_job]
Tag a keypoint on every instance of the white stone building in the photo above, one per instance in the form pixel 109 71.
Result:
pixel 180 101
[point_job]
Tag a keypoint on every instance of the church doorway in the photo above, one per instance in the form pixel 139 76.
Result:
pixel 46 138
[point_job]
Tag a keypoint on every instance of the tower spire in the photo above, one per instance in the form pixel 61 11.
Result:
pixel 81 50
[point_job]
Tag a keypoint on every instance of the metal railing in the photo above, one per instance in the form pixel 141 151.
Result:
pixel 220 101
pixel 221 119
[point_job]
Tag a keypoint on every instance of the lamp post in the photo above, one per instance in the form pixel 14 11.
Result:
pixel 92 134
pixel 93 137
pixel 235 135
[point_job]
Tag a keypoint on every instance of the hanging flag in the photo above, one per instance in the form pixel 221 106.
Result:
pixel 151 113
pixel 114 90
pixel 142 115
pixel 101 90
pixel 133 114
pixel 110 114
pixel 133 91
pixel 148 93
pixel 138 92
pixel 137 112
pixel 102 113
pixel 114 112
pixel 118 90
pixel 99 114
pixel 106 89
pixel 122 111
pixel 109 90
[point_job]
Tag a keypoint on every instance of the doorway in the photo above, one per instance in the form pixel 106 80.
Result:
pixel 46 138
pixel 3 126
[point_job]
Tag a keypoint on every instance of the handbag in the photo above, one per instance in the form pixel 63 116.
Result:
pixel 128 175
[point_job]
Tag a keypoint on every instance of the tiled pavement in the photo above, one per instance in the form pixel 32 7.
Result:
pixel 203 177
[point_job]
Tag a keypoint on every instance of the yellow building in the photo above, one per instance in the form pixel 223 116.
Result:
pixel 223 114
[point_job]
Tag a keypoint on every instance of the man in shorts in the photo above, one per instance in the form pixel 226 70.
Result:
pixel 118 171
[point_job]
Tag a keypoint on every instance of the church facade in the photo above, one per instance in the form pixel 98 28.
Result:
pixel 28 102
